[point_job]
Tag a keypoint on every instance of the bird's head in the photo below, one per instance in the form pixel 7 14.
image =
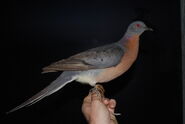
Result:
pixel 137 28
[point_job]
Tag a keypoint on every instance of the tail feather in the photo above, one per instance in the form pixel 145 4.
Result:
pixel 60 82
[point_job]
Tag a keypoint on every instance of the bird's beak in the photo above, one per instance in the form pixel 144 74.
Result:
pixel 149 29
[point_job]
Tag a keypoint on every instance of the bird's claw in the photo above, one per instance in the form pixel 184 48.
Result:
pixel 98 89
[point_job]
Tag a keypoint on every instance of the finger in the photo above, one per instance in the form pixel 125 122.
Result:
pixel 106 101
pixel 112 103
pixel 111 106
pixel 113 119
pixel 87 99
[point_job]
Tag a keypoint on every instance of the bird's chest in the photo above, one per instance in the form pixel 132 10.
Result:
pixel 126 61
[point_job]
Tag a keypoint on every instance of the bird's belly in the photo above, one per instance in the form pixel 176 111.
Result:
pixel 88 77
pixel 86 80
pixel 113 72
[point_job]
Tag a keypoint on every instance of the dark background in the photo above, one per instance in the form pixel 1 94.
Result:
pixel 38 33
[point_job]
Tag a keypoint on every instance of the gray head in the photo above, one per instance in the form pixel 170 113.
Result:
pixel 137 28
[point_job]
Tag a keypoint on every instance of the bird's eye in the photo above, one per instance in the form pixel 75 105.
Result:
pixel 138 25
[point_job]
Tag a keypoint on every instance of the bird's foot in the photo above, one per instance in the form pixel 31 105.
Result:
pixel 99 90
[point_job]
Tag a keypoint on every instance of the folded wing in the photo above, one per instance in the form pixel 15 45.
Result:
pixel 96 58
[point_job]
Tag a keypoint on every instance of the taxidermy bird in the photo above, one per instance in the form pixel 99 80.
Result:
pixel 97 65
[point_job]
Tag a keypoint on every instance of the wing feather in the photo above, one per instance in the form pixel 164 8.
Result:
pixel 96 58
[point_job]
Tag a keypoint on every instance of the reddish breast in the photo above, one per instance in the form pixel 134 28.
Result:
pixel 131 50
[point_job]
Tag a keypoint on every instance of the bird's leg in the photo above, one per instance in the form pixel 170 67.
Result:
pixel 99 90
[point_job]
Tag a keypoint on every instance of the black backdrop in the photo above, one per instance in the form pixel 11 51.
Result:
pixel 38 33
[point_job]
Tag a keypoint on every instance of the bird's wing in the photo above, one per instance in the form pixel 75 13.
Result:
pixel 96 58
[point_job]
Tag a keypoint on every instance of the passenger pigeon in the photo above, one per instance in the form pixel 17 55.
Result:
pixel 97 65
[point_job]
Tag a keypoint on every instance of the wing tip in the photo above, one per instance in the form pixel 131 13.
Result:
pixel 47 70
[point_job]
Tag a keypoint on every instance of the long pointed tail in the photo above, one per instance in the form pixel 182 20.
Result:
pixel 57 84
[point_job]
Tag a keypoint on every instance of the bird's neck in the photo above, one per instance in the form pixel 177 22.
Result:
pixel 131 46
pixel 129 38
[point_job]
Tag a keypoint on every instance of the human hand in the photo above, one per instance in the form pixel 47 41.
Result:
pixel 99 110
